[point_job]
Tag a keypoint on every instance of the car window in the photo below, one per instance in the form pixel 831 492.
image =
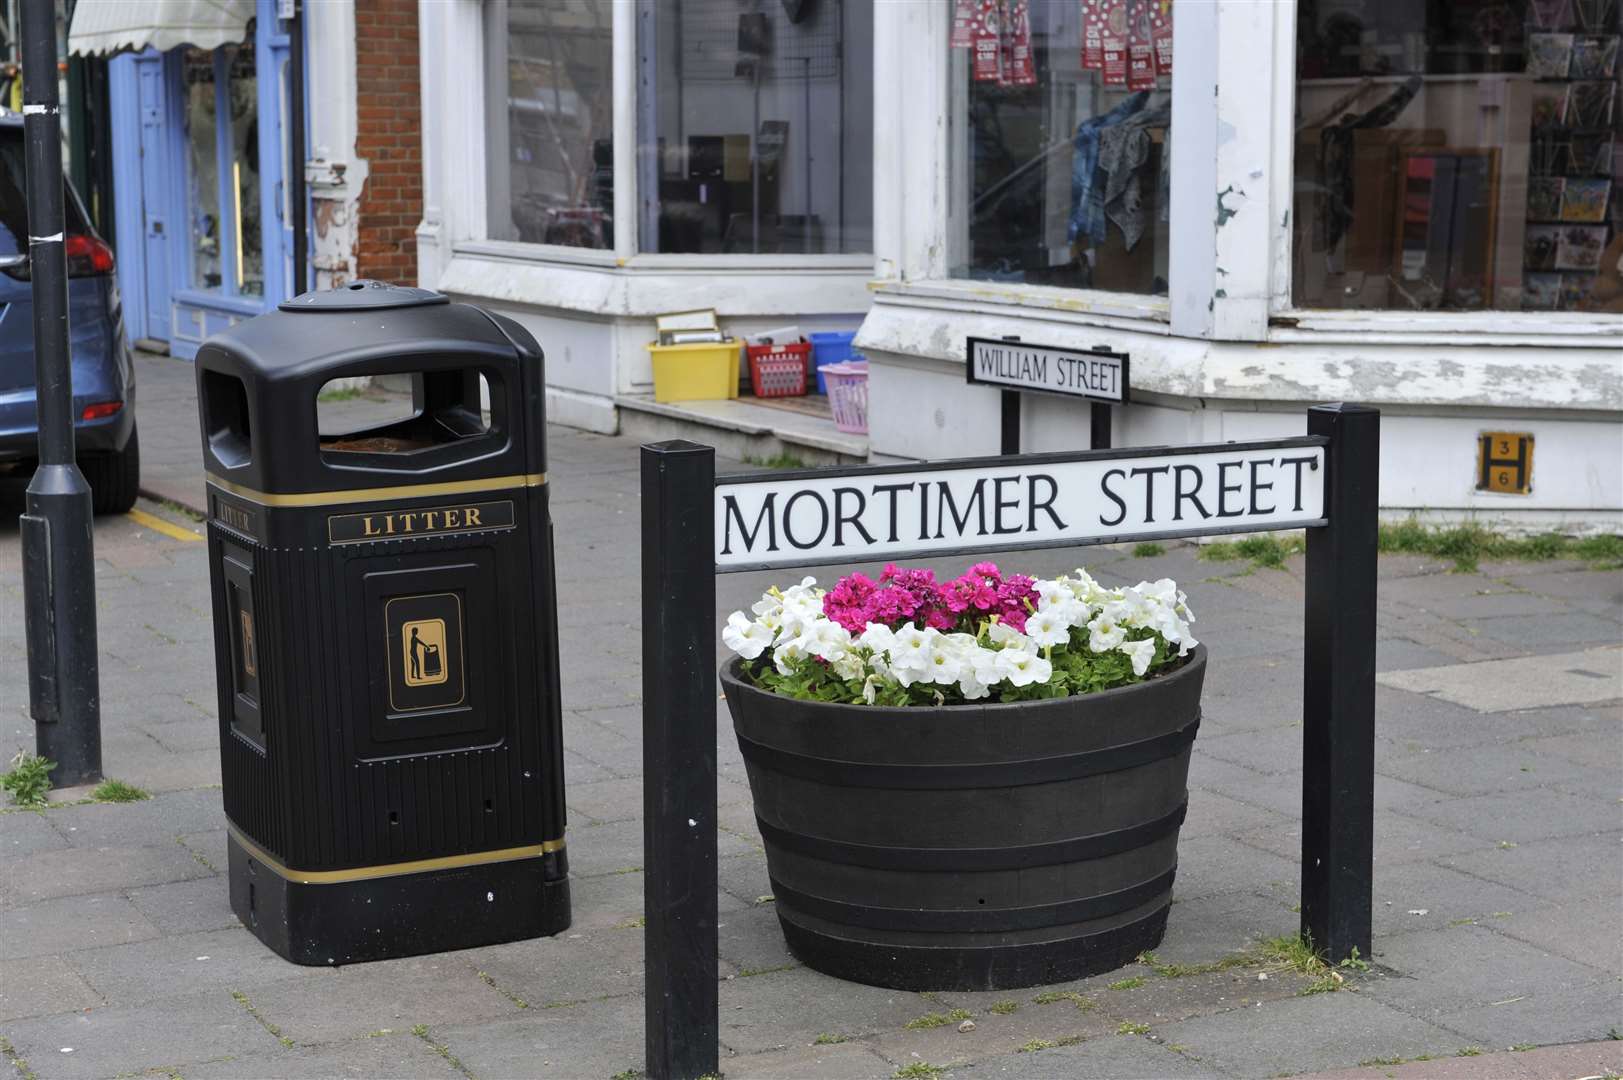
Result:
pixel 13 201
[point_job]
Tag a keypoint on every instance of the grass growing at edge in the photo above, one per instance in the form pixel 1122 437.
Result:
pixel 1265 551
pixel 777 461
pixel 1149 549
pixel 919 1070
pixel 934 1020
pixel 1467 544
pixel 119 791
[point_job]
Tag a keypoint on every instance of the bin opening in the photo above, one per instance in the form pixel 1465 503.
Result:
pixel 225 418
pixel 402 413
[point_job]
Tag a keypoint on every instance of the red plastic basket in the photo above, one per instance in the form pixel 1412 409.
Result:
pixel 778 370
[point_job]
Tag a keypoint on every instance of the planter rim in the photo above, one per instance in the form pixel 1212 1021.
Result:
pixel 1193 664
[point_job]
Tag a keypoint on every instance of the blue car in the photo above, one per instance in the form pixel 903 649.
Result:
pixel 103 374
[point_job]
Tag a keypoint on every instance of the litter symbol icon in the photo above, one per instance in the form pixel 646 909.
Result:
pixel 424 643
pixel 426 651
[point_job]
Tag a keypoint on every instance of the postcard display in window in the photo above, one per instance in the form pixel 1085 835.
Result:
pixel 1067 110
pixel 1458 157
pixel 1574 237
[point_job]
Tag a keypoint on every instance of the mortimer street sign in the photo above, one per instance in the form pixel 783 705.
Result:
pixel 1037 500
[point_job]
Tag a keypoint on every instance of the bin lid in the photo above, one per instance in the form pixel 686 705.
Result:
pixel 363 295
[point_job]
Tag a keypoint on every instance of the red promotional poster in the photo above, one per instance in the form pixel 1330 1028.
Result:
pixel 1018 69
pixel 987 59
pixel 1093 57
pixel 1113 41
pixel 1161 36
pixel 1140 47
pixel 963 23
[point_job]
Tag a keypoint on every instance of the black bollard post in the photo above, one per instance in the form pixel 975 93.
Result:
pixel 679 758
pixel 1338 751
pixel 59 580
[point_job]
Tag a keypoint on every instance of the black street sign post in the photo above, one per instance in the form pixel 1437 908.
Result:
pixel 696 525
pixel 59 580
pixel 1097 375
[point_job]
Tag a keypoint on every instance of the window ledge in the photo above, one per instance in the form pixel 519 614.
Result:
pixel 1451 328
pixel 789 261
pixel 548 277
pixel 1145 314
pixel 1446 371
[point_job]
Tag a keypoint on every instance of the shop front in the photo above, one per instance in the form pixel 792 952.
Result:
pixel 200 160
pixel 1262 205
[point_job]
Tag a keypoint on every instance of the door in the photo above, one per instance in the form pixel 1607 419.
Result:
pixel 153 104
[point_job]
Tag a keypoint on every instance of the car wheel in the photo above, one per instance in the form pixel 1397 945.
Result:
pixel 114 478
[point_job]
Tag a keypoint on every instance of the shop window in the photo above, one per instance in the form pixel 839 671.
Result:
pixel 203 167
pixel 1457 157
pixel 755 126
pixel 1061 115
pixel 549 122
pixel 220 103
pixel 242 94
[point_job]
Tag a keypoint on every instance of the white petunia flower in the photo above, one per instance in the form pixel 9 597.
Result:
pixel 1047 626
pixel 785 653
pixel 1104 633
pixel 848 665
pixel 911 648
pixel 1140 652
pixel 744 636
pixel 877 637
pixel 827 639
pixel 1023 667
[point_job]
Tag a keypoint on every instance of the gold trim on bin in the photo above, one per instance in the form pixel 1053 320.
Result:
pixel 400 491
pixel 368 873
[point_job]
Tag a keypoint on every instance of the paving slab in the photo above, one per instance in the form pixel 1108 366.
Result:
pixel 186 907
pixel 399 1053
pixel 1320 1031
pixel 98 1043
pixel 772 1011
pixel 330 1005
pixel 76 870
pixel 1575 678
pixel 74 922
pixel 166 815
pixel 1431 973
pixel 24 832
pixel 1558 1014
pixel 179 964
pixel 1110 1057
pixel 841 1061
pixel 1539 1063
pixel 1569 868
pixel 1525 816
pixel 594 1039
pixel 1586 931
pixel 42 984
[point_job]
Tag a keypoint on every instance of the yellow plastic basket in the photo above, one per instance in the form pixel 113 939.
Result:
pixel 702 371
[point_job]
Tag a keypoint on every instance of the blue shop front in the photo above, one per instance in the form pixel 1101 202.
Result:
pixel 200 164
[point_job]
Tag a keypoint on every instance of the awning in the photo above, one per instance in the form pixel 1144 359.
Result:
pixel 102 27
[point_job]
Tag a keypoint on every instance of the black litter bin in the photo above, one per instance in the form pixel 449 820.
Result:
pixel 385 629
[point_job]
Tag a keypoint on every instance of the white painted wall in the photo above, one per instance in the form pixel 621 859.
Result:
pixel 334 174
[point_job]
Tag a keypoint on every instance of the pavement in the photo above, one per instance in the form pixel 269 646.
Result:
pixel 1498 848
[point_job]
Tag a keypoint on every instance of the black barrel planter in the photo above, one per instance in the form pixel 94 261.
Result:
pixel 971 847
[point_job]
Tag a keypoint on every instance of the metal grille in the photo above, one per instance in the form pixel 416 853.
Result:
pixel 807 49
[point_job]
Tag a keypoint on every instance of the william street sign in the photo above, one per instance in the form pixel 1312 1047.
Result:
pixel 1095 375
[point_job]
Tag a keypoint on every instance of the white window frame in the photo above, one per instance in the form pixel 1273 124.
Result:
pixel 455 231
pixel 1234 97
pixel 916 181
pixel 1288 323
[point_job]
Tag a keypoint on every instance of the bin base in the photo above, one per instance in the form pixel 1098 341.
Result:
pixel 378 918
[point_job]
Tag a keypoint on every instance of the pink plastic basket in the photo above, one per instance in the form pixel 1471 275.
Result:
pixel 848 395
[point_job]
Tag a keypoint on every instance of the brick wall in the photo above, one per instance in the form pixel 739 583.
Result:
pixel 389 138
